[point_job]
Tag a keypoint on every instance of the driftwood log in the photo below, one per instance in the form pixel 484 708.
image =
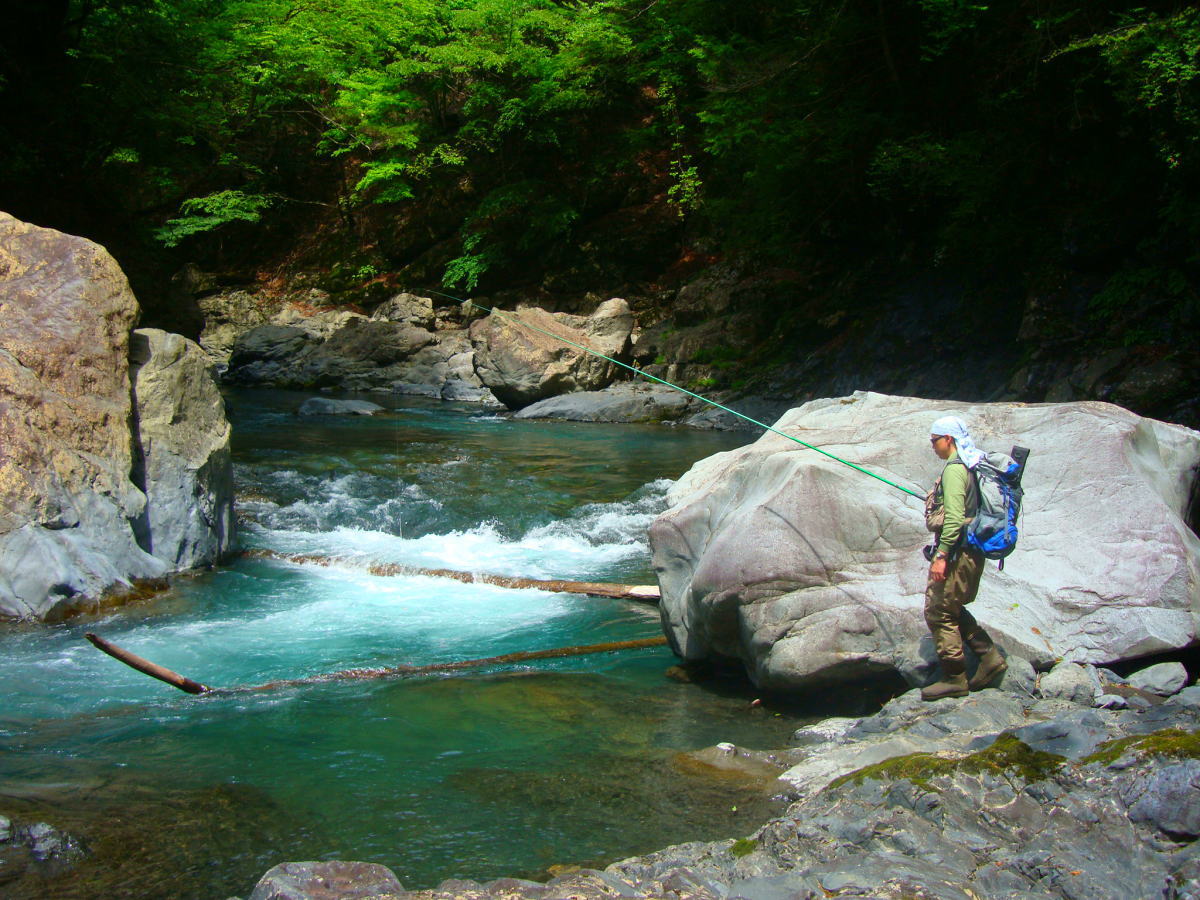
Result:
pixel 644 592
pixel 194 687
pixel 154 670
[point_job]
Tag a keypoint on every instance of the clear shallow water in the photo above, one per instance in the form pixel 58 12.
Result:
pixel 475 775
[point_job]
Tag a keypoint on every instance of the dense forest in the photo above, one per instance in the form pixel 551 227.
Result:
pixel 1045 149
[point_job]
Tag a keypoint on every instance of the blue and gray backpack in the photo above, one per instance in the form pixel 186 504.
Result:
pixel 993 530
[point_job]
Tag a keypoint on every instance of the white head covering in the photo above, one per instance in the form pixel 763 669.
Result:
pixel 955 428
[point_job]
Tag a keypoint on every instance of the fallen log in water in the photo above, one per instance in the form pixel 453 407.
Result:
pixel 154 670
pixel 644 592
pixel 194 687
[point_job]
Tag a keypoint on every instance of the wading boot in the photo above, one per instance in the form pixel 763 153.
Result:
pixel 954 684
pixel 991 666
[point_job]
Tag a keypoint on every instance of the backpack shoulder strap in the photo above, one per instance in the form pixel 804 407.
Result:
pixel 972 505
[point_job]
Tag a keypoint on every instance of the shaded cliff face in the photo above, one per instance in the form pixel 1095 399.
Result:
pixel 74 522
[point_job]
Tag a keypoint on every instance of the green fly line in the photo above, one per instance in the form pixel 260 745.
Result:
pixel 518 320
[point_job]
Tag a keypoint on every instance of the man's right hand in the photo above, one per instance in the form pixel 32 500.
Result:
pixel 937 570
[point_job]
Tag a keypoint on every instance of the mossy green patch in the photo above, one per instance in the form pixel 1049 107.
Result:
pixel 1174 743
pixel 743 847
pixel 1006 756
pixel 915 767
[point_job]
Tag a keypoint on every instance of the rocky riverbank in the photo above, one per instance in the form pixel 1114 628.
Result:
pixel 760 341
pixel 528 360
pixel 1078 784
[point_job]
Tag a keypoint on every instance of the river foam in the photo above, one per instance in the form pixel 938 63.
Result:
pixel 585 545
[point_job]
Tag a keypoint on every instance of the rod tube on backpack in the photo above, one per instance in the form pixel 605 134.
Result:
pixel 1019 455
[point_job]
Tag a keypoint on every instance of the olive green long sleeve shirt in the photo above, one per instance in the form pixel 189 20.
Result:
pixel 956 485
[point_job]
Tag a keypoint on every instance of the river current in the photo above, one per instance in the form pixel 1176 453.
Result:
pixel 476 774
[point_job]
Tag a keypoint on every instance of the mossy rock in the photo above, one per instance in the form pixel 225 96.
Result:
pixel 1173 743
pixel 1006 756
pixel 743 847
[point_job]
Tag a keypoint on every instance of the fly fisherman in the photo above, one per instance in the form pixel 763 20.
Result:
pixel 955 569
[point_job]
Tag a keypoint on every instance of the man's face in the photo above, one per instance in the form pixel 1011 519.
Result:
pixel 942 445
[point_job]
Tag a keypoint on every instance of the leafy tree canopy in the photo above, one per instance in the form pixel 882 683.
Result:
pixel 982 131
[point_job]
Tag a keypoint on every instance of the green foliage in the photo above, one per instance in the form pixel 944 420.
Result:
pixel 201 214
pixel 721 357
pixel 947 21
pixel 1154 65
pixel 126 156
pixel 938 130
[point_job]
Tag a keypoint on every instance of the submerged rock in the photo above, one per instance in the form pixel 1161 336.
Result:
pixel 809 572
pixel 31 852
pixel 330 880
pixel 327 406
pixel 956 800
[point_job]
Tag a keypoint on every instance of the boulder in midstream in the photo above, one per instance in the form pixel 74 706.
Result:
pixel 809 572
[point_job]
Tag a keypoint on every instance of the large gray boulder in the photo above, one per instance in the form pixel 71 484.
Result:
pixel 184 464
pixel 268 354
pixel 809 572
pixel 227 315
pixel 622 402
pixel 73 523
pixel 407 308
pixel 527 355
pixel 66 499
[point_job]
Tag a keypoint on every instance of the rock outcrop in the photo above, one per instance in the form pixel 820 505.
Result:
pixel 809 572
pixel 183 462
pixel 1076 803
pixel 522 365
pixel 406 346
pixel 73 521
pixel 1002 794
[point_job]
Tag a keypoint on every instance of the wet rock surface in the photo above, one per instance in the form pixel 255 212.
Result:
pixel 332 880
pixel 326 406
pixel 1002 794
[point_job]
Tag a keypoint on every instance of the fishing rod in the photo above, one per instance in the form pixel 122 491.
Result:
pixel 637 371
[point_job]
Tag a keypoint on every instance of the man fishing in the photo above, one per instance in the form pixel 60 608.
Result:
pixel 955 569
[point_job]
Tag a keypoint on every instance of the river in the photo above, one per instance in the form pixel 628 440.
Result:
pixel 478 774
